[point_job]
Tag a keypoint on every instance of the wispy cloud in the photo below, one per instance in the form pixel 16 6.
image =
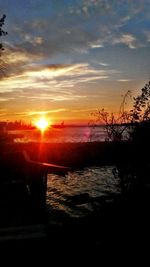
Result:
pixel 53 76
pixel 126 39
pixel 16 57
pixel 103 64
pixel 45 112
pixel 51 36
pixel 31 115
pixel 147 34
pixel 124 80
pixel 126 18
pixel 86 7
pixel 35 41
pixel 96 44
pixel 3 99
pixel 56 98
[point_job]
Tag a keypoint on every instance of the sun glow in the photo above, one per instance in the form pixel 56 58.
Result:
pixel 42 124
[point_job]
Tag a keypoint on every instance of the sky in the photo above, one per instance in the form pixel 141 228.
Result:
pixel 65 59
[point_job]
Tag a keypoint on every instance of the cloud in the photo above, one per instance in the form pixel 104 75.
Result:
pixel 76 27
pixel 16 57
pixel 87 7
pixel 65 29
pixel 77 34
pixel 45 112
pixel 123 80
pixel 3 99
pixel 126 19
pixel 56 98
pixel 87 110
pixel 121 10
pixel 96 44
pixel 17 60
pixel 53 78
pixel 58 86
pixel 52 37
pixel 147 34
pixel 103 64
pixel 30 114
pixel 35 41
pixel 126 39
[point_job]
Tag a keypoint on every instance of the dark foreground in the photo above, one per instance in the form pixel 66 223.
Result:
pixel 119 225
pixel 67 154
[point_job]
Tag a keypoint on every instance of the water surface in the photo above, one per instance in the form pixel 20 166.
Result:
pixel 93 181
pixel 64 135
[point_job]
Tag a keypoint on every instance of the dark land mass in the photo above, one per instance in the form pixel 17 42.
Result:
pixel 119 223
pixel 71 154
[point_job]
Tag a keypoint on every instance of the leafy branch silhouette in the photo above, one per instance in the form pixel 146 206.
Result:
pixel 2 33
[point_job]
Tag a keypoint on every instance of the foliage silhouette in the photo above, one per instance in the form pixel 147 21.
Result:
pixel 3 136
pixel 141 105
pixel 112 123
pixel 2 33
pixel 130 133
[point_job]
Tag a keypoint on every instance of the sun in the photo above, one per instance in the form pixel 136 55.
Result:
pixel 42 124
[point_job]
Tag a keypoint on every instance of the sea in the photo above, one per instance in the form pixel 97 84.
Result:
pixel 74 134
pixel 78 193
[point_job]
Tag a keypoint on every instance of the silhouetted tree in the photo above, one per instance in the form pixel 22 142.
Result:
pixel 112 122
pixel 3 136
pixel 139 163
pixel 141 105
pixel 132 159
pixel 2 33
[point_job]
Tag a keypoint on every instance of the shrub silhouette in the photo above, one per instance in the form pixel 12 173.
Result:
pixel 112 123
pixel 141 105
pixel 130 133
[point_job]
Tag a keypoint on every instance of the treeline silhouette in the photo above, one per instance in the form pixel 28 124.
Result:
pixel 16 125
